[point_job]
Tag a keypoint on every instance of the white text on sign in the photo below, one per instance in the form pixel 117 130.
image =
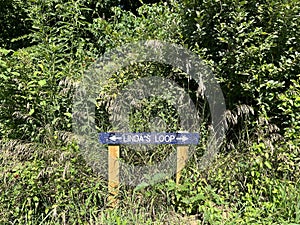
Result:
pixel 148 138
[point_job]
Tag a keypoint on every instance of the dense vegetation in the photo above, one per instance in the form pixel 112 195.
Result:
pixel 254 51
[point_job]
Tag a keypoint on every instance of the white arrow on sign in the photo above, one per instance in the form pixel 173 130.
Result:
pixel 183 138
pixel 114 138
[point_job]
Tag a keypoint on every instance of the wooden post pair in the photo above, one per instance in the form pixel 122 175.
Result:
pixel 114 167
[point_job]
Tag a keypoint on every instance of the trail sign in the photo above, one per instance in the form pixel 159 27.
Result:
pixel 116 138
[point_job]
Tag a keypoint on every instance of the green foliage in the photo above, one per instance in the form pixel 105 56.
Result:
pixel 126 27
pixel 42 185
pixel 15 26
pixel 290 108
pixel 34 100
pixel 253 49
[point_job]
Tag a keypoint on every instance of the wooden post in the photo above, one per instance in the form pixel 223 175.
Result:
pixel 182 156
pixel 113 174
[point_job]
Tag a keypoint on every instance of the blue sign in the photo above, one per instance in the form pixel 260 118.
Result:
pixel 149 138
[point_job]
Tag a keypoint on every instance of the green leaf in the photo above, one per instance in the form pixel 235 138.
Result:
pixel 3 76
pixel 268 164
pixel 141 186
pixel 31 112
pixel 5 51
pixel 42 82
pixel 68 114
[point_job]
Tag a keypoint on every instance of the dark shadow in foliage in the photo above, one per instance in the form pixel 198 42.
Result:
pixel 14 24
